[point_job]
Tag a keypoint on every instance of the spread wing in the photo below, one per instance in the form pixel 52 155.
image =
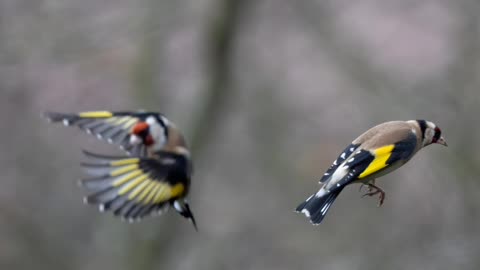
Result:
pixel 113 127
pixel 133 188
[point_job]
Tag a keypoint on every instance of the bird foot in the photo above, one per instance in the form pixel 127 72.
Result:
pixel 374 190
pixel 369 188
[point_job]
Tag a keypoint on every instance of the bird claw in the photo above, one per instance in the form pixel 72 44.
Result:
pixel 370 189
pixel 374 190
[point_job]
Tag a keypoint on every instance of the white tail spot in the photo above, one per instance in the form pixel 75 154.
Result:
pixel 306 212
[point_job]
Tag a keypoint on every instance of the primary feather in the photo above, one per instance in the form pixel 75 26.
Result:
pixel 134 187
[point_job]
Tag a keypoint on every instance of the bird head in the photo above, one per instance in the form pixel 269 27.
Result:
pixel 141 134
pixel 152 132
pixel 431 133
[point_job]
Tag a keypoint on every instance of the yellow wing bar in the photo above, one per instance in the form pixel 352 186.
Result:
pixel 96 114
pixel 381 155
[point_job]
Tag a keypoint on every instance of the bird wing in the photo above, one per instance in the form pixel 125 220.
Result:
pixel 135 187
pixel 113 127
pixel 340 159
pixel 370 162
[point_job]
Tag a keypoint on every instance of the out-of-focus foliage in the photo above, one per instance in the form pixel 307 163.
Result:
pixel 268 92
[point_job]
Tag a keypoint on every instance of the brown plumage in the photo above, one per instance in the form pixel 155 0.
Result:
pixel 374 153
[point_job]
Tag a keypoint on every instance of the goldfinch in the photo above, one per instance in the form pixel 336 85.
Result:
pixel 375 153
pixel 156 175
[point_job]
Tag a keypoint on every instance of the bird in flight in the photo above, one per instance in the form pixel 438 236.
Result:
pixel 376 152
pixel 154 176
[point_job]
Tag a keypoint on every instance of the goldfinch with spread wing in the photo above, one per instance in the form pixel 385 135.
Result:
pixel 375 153
pixel 156 175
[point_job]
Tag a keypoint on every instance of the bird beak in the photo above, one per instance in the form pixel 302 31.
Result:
pixel 442 141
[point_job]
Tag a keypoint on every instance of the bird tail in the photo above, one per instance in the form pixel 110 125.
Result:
pixel 316 207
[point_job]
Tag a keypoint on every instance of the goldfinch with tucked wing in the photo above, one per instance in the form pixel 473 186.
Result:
pixel 155 177
pixel 375 153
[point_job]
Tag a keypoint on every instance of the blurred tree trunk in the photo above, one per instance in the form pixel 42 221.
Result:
pixel 220 35
pixel 145 89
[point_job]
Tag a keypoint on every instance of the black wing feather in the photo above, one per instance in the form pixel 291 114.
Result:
pixel 114 127
pixel 360 162
pixel 341 158
pixel 134 187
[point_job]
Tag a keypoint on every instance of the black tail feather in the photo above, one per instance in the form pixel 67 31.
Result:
pixel 315 208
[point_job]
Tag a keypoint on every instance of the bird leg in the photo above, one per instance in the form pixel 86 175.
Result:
pixel 374 190
pixel 370 189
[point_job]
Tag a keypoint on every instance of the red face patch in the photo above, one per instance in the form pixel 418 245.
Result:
pixel 139 128
pixel 437 135
pixel 142 130
pixel 149 140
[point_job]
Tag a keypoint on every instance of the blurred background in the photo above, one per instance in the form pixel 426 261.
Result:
pixel 267 93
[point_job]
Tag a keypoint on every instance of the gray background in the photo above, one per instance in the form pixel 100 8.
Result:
pixel 267 93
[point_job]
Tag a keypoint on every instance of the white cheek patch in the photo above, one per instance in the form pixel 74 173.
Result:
pixel 429 133
pixel 157 131
pixel 151 121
